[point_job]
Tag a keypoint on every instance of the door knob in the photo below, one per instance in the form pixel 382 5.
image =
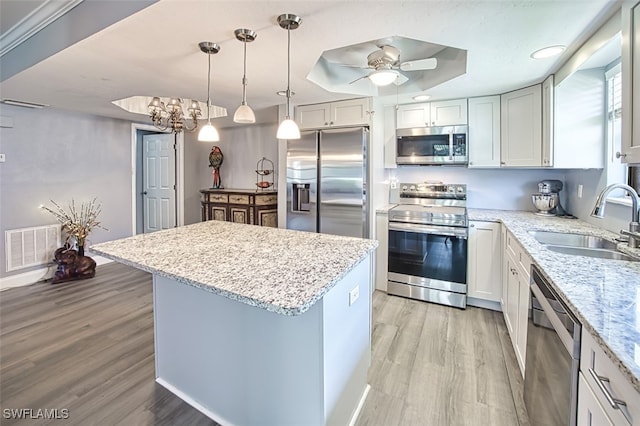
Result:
pixel 144 192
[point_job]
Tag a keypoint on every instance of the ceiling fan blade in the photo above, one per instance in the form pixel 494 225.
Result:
pixel 359 78
pixel 419 64
pixel 400 79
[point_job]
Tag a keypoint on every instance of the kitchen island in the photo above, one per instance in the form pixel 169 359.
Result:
pixel 255 325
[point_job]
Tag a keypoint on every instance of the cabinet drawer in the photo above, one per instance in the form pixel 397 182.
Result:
pixel 263 200
pixel 238 199
pixel 611 380
pixel 217 198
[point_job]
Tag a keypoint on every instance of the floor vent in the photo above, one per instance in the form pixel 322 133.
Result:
pixel 31 246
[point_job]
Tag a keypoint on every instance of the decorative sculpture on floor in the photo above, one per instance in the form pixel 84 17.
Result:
pixel 72 266
pixel 215 160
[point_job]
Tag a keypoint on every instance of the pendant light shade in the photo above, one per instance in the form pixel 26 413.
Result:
pixel 208 133
pixel 288 129
pixel 244 113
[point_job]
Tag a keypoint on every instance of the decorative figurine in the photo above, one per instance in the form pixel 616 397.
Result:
pixel 215 160
pixel 72 266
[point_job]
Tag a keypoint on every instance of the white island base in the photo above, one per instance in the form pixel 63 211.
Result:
pixel 244 365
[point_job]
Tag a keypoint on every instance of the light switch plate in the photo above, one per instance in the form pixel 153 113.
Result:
pixel 354 294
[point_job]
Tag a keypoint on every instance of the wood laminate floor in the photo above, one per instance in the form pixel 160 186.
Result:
pixel 87 347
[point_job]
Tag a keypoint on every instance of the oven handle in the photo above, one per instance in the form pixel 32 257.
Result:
pixel 425 229
pixel 451 144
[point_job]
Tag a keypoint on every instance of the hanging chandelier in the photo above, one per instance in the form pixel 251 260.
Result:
pixel 288 129
pixel 172 115
pixel 244 113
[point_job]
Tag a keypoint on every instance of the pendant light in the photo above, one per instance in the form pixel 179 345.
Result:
pixel 288 129
pixel 244 113
pixel 208 133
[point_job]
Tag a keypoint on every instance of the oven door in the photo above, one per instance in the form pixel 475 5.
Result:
pixel 433 257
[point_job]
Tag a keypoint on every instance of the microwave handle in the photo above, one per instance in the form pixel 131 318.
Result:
pixel 450 144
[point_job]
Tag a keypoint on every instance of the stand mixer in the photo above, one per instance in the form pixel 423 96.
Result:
pixel 547 201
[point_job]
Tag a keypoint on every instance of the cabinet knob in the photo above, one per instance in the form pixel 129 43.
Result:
pixel 503 163
pixel 326 124
pixel 331 123
pixel 472 226
pixel 471 163
pixel 620 155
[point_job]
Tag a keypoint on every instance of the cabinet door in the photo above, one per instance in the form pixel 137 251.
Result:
pixel 382 252
pixel 218 212
pixel 484 261
pixel 448 113
pixel 590 412
pixel 548 104
pixel 521 319
pixel 521 127
pixel 631 82
pixel 505 276
pixel 313 116
pixel 413 115
pixel 511 312
pixel 240 214
pixel 354 112
pixel 267 217
pixel 484 132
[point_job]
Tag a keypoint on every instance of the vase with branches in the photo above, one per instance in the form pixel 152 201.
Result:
pixel 77 222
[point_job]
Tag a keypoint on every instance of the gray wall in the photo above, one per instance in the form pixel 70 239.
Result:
pixel 242 147
pixel 58 155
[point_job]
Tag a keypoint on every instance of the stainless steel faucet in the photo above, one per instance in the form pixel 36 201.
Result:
pixel 634 227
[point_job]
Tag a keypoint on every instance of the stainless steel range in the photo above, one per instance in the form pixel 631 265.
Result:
pixel 428 232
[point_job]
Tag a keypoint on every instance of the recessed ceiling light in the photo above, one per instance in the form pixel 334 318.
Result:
pixel 421 97
pixel 547 52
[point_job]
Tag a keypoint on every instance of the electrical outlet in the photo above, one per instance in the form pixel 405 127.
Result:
pixel 579 191
pixel 354 294
pixel 2 158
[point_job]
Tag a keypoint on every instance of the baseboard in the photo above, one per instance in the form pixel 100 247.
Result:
pixel 37 275
pixel 356 413
pixel 486 304
pixel 186 398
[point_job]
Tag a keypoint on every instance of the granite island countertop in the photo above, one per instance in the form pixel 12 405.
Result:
pixel 603 294
pixel 279 270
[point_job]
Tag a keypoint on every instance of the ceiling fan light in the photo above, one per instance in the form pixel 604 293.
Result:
pixel 208 133
pixel 288 129
pixel 244 114
pixel 383 77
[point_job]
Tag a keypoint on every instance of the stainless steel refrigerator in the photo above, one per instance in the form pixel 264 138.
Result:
pixel 327 182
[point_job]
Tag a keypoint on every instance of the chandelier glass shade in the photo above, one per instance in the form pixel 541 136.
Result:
pixel 172 115
pixel 209 133
pixel 288 128
pixel 244 113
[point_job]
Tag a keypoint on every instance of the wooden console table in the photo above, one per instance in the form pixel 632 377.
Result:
pixel 240 206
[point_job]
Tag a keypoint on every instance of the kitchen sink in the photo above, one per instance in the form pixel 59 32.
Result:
pixel 573 240
pixel 580 245
pixel 591 252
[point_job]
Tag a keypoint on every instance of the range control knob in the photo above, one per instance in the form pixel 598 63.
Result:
pixel 450 189
pixel 404 187
pixel 412 188
pixel 460 189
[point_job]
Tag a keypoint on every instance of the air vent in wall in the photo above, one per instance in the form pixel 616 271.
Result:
pixel 31 246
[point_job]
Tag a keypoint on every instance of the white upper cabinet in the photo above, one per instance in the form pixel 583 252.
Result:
pixel 547 121
pixel 442 113
pixel 413 115
pixel 521 127
pixel 631 82
pixel 484 131
pixel 353 112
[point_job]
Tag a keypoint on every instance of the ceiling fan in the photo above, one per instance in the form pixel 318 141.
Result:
pixel 386 65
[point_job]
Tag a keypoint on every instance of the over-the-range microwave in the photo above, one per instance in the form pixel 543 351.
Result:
pixel 432 145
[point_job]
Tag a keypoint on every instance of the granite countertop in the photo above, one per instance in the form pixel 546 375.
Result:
pixel 279 270
pixel 242 191
pixel 603 294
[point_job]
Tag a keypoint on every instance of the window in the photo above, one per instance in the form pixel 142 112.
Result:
pixel 617 171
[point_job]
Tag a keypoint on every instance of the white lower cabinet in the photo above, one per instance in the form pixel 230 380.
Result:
pixel 516 295
pixel 605 396
pixel 382 252
pixel 484 261
pixel 590 412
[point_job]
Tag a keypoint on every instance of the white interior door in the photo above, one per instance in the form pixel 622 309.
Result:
pixel 159 179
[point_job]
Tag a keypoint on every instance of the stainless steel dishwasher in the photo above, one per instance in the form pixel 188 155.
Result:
pixel 552 360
